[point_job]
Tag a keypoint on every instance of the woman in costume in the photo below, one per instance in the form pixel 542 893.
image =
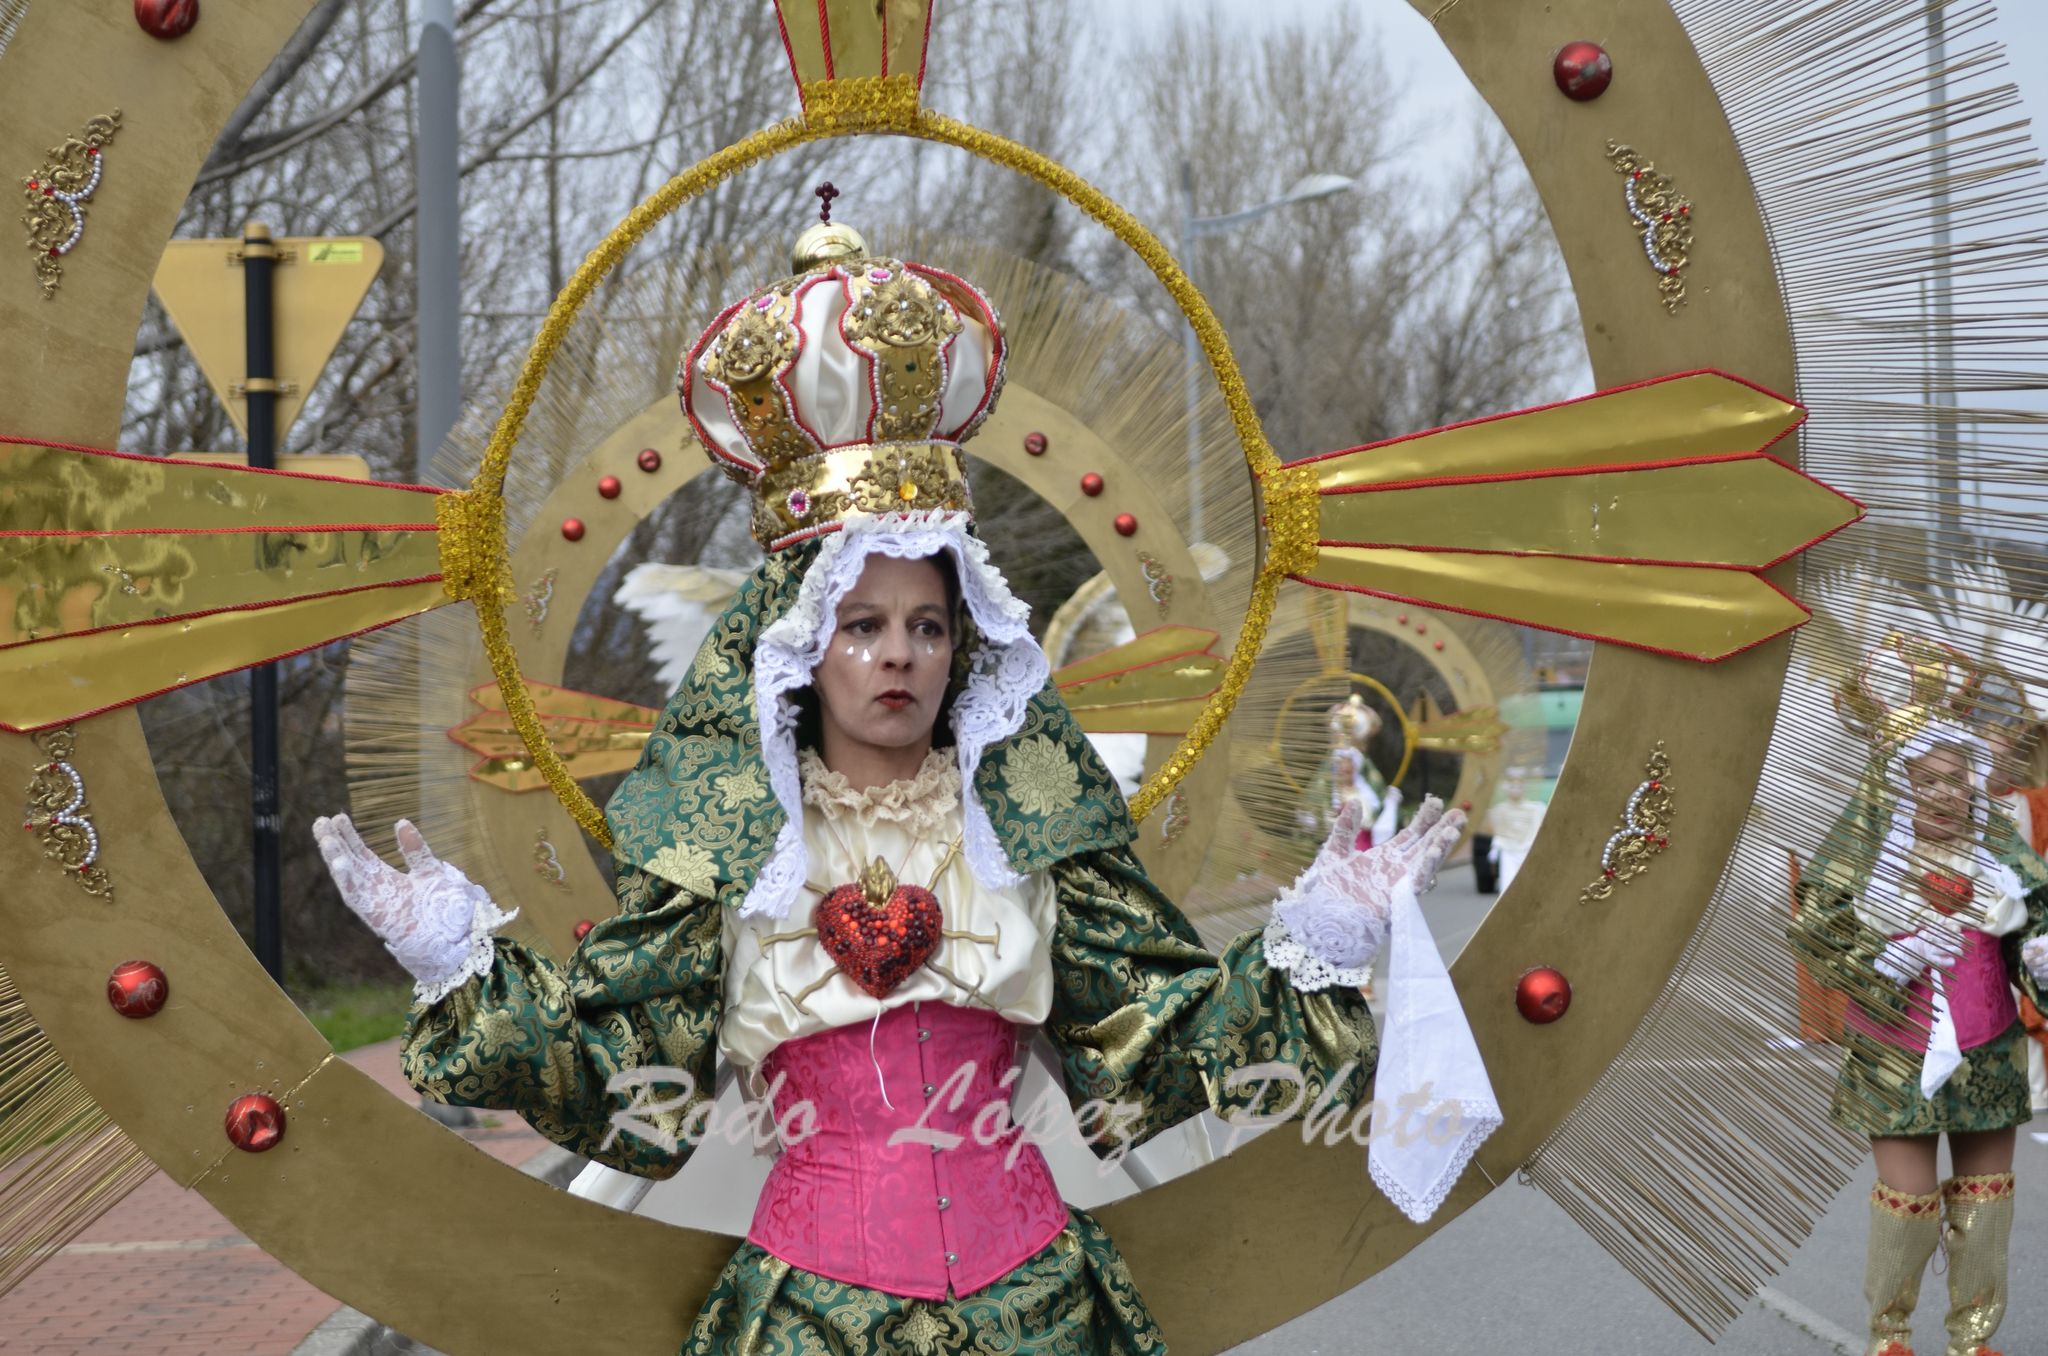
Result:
pixel 867 852
pixel 1926 909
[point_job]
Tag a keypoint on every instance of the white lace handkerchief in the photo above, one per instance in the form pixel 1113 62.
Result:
pixel 1427 1056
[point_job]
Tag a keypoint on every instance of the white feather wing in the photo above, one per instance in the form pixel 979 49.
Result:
pixel 676 605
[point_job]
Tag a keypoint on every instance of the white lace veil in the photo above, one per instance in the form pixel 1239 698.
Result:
pixel 1007 671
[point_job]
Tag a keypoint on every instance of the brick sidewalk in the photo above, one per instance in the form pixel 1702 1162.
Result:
pixel 164 1274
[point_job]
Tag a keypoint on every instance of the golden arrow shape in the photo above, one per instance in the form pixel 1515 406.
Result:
pixel 594 735
pixel 1155 683
pixel 1478 730
pixel 122 576
pixel 1641 516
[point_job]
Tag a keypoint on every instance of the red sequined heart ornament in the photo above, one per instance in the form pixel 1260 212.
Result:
pixel 1948 893
pixel 878 932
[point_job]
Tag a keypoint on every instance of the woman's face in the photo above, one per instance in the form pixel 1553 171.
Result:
pixel 884 672
pixel 1941 795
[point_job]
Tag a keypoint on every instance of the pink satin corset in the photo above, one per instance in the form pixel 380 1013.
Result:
pixel 1979 996
pixel 906 1218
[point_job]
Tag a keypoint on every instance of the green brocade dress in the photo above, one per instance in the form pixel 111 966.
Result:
pixel 1877 1092
pixel 1142 1013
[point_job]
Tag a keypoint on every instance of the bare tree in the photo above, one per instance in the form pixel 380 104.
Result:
pixel 1398 307
pixel 1410 302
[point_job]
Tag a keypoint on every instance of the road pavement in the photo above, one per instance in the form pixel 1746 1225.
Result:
pixel 1514 1274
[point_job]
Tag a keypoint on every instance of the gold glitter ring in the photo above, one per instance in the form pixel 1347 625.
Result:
pixel 835 109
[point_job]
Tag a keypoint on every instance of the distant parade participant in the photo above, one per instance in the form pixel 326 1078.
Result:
pixel 1927 909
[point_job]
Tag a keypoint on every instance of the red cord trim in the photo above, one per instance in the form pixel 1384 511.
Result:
pixel 805 535
pixel 293 529
pixel 782 26
pixel 204 677
pixel 989 321
pixel 1560 404
pixel 1206 652
pixel 1597 560
pixel 1565 630
pixel 232 470
pixel 925 55
pixel 217 611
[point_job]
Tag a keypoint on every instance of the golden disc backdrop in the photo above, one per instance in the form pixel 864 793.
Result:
pixel 384 1209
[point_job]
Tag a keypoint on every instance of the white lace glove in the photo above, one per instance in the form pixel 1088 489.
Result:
pixel 1904 960
pixel 2035 956
pixel 436 921
pixel 1332 921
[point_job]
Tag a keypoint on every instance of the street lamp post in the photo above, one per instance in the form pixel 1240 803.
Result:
pixel 1308 188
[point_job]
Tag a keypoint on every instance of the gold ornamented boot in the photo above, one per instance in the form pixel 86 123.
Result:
pixel 1979 1227
pixel 1903 1232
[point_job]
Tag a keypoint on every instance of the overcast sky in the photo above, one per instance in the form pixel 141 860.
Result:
pixel 1438 89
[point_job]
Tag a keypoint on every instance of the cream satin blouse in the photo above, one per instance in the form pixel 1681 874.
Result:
pixel 995 950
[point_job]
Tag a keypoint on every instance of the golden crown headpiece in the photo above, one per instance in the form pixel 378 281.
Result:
pixel 846 388
pixel 1911 680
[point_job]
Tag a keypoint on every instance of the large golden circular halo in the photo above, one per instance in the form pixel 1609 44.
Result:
pixel 473 1257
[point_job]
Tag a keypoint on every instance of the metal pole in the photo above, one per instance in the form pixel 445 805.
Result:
pixel 1192 366
pixel 259 260
pixel 436 233
pixel 437 282
pixel 1948 494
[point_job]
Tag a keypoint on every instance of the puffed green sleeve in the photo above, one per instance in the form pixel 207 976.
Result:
pixel 543 1040
pixel 2010 848
pixel 1144 1016
pixel 1839 948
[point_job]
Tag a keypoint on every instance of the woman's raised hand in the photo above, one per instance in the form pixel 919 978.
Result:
pixel 1368 876
pixel 1340 909
pixel 428 916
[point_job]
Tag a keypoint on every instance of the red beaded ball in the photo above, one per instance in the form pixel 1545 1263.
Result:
pixel 572 529
pixel 649 460
pixel 609 487
pixel 583 929
pixel 1126 525
pixel 1035 444
pixel 255 1122
pixel 167 19
pixel 1542 995
pixel 138 988
pixel 1091 484
pixel 1583 70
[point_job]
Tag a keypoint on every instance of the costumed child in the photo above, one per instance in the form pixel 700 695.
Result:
pixel 868 854
pixel 1926 909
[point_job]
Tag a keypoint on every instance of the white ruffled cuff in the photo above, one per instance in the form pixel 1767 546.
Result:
pixel 477 958
pixel 2035 956
pixel 1320 944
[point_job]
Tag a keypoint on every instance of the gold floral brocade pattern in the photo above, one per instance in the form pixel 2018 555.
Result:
pixel 1143 1014
pixel 1041 778
pixel 544 1040
pixel 1074 1297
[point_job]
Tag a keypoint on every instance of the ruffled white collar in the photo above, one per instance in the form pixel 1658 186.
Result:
pixel 922 803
